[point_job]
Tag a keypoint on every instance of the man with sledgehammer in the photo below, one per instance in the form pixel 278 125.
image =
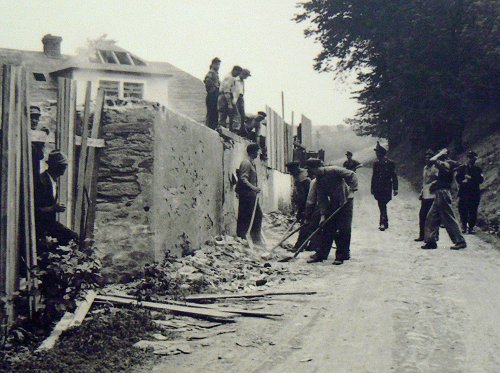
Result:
pixel 334 187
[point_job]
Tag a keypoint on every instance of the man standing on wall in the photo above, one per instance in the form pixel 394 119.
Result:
pixel 248 193
pixel 351 164
pixel 441 210
pixel 426 196
pixel 300 193
pixel 334 187
pixel 226 103
pixel 212 85
pixel 384 182
pixel 469 178
pixel 239 93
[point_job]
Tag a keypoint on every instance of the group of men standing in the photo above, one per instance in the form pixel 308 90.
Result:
pixel 225 103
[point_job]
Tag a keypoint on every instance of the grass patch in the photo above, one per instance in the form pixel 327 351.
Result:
pixel 101 344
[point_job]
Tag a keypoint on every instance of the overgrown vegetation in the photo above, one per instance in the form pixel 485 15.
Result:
pixel 428 68
pixel 102 344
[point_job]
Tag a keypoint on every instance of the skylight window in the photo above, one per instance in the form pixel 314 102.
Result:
pixel 108 56
pixel 123 58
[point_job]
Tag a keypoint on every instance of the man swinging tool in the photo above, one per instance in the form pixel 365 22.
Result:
pixel 249 212
pixel 334 187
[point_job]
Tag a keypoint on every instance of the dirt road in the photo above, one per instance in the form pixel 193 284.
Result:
pixel 392 307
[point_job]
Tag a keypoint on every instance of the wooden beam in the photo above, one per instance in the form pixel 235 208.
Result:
pixel 205 297
pixel 83 308
pixel 71 111
pixel 81 163
pixel 238 311
pixel 92 169
pixel 41 136
pixel 181 310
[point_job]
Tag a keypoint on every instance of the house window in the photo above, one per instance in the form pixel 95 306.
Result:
pixel 123 58
pixel 108 56
pixel 137 62
pixel 135 90
pixel 39 77
pixel 110 87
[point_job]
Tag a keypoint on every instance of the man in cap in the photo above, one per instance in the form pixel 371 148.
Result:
pixel 226 103
pixel 252 129
pixel 239 92
pixel 248 191
pixel 334 187
pixel 300 192
pixel 212 85
pixel 351 164
pixel 429 178
pixel 469 178
pixel 441 210
pixel 384 183
pixel 46 206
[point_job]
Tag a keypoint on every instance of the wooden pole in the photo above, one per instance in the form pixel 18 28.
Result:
pixel 79 218
pixel 70 108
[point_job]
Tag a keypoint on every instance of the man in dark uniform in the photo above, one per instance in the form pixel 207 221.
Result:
pixel 334 187
pixel 212 85
pixel 441 211
pixel 384 182
pixel 469 177
pixel 351 164
pixel 248 191
pixel 301 190
pixel 46 206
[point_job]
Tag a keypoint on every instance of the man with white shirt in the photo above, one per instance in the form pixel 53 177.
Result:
pixel 239 93
pixel 46 206
pixel 226 103
pixel 426 196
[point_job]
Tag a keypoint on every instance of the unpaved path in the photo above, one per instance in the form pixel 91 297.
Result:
pixel 393 307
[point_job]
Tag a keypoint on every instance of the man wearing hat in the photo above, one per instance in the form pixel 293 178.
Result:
pixel 441 211
pixel 46 206
pixel 384 183
pixel 469 178
pixel 426 195
pixel 351 164
pixel 212 85
pixel 300 192
pixel 334 189
pixel 226 103
pixel 252 129
pixel 248 191
pixel 239 93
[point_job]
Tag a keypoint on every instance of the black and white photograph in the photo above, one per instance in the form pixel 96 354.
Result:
pixel 250 186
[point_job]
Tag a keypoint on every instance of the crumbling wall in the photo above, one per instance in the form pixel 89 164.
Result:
pixel 125 191
pixel 188 193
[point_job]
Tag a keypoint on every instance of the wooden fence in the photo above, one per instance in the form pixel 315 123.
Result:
pixel 77 188
pixel 279 140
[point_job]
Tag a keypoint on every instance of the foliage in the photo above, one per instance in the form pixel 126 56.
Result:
pixel 427 67
pixel 65 272
pixel 101 344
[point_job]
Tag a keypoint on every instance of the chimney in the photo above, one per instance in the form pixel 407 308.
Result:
pixel 52 45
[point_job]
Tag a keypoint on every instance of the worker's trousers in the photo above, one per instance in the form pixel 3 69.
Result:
pixel 441 212
pixel 306 230
pixel 425 207
pixel 467 208
pixel 212 111
pixel 227 113
pixel 338 229
pixel 245 211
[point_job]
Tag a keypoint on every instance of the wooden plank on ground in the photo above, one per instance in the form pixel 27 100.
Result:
pixel 204 297
pixel 92 169
pixel 79 219
pixel 238 311
pixel 181 310
pixel 83 309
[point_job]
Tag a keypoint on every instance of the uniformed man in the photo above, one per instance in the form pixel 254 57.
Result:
pixel 441 211
pixel 429 178
pixel 46 205
pixel 300 192
pixel 334 188
pixel 226 103
pixel 384 183
pixel 248 191
pixel 351 164
pixel 212 85
pixel 469 178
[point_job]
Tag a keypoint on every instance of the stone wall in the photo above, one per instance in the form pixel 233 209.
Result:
pixel 125 197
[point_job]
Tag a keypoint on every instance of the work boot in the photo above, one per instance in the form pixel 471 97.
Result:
pixel 459 246
pixel 337 262
pixel 381 227
pixel 471 231
pixel 420 239
pixel 464 229
pixel 429 246
pixel 314 259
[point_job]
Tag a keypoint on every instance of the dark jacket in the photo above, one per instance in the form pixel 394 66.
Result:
pixel 334 186
pixel 384 179
pixel 469 187
pixel 247 178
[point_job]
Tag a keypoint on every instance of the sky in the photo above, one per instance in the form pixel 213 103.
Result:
pixel 256 34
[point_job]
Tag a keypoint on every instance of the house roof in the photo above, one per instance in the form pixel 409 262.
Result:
pixel 32 60
pixel 73 64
